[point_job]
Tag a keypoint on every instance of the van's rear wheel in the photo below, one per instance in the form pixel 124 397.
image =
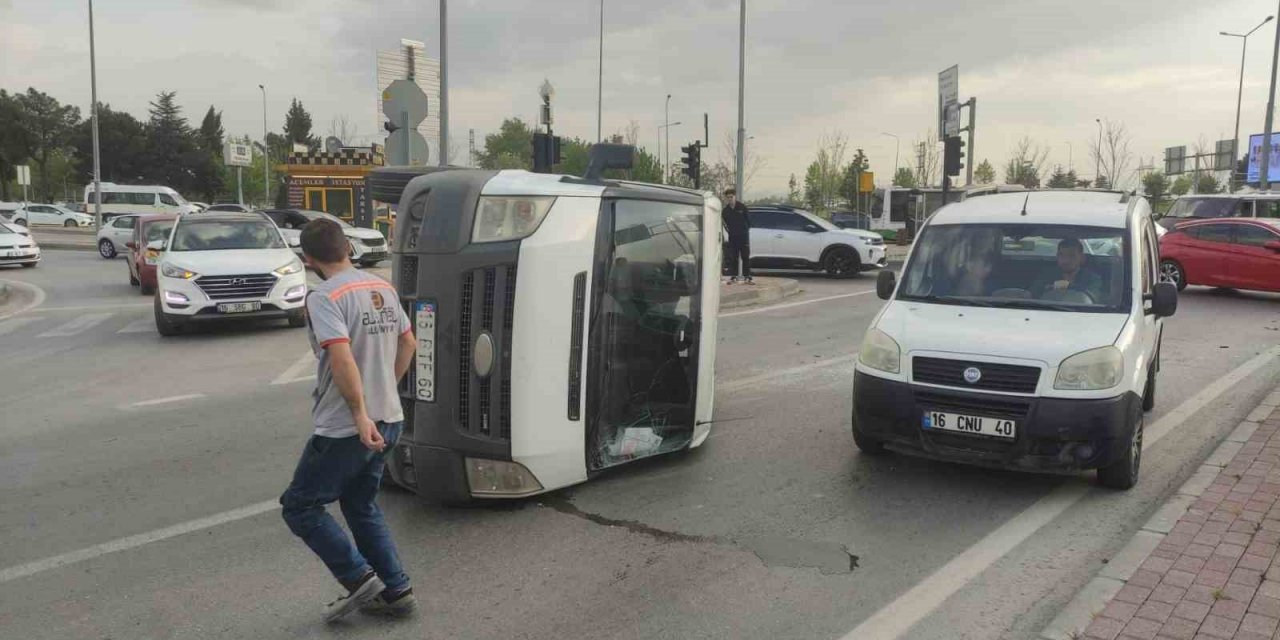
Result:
pixel 1123 473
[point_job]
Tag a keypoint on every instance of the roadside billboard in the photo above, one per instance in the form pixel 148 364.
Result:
pixel 1273 163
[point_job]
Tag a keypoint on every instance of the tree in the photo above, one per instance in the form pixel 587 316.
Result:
pixel 926 159
pixel 1113 157
pixel 1181 185
pixel 211 133
pixel 1155 185
pixel 49 126
pixel 825 175
pixel 853 174
pixel 752 163
pixel 1063 179
pixel 1026 163
pixel 905 178
pixel 122 145
pixel 341 128
pixel 1207 183
pixel 510 148
pixel 13 140
pixel 297 126
pixel 984 173
pixel 173 156
pixel 794 197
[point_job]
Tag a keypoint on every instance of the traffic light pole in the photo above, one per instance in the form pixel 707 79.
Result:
pixel 972 103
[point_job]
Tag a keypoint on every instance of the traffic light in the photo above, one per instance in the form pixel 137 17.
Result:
pixel 546 152
pixel 692 162
pixel 953 155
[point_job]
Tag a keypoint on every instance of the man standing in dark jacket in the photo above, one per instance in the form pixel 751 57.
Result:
pixel 738 225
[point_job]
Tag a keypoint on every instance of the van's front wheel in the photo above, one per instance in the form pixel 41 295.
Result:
pixel 1123 473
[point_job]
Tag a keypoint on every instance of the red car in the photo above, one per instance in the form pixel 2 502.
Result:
pixel 1237 253
pixel 143 261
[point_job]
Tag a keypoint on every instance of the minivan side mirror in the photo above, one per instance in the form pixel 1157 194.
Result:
pixel 1273 245
pixel 1164 299
pixel 886 282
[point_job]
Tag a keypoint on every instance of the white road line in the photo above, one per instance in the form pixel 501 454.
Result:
pixel 896 618
pixel 743 383
pixel 37 297
pixel 294 372
pixel 8 326
pixel 141 325
pixel 779 307
pixel 133 542
pixel 101 307
pixel 170 399
pixel 76 326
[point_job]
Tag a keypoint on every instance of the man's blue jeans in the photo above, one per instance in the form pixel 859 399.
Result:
pixel 343 470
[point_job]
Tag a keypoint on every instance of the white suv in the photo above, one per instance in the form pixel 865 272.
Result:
pixel 223 265
pixel 30 213
pixel 787 238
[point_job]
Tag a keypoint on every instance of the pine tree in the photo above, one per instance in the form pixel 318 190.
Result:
pixel 211 132
pixel 170 143
pixel 297 125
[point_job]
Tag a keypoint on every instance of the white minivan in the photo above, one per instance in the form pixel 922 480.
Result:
pixel 120 199
pixel 1025 334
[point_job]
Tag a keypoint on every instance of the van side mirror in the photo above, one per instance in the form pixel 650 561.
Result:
pixel 1273 245
pixel 293 242
pixel 1164 299
pixel 886 282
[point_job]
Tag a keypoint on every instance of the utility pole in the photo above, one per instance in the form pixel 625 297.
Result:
pixel 97 157
pixel 600 82
pixel 444 85
pixel 1264 161
pixel 972 104
pixel 471 148
pixel 1097 165
pixel 266 152
pixel 742 74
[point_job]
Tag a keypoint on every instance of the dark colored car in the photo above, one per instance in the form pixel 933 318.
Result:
pixel 143 261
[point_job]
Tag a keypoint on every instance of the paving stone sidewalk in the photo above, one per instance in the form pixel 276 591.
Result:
pixel 1214 575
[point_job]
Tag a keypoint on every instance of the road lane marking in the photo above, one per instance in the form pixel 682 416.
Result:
pixel 896 618
pixel 132 542
pixel 169 400
pixel 789 305
pixel 76 326
pixel 8 326
pixel 141 325
pixel 102 307
pixel 294 372
pixel 37 297
pixel 743 383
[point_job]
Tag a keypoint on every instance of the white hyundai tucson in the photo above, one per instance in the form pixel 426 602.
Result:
pixel 227 265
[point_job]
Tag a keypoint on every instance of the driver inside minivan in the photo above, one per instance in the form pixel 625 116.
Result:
pixel 1072 276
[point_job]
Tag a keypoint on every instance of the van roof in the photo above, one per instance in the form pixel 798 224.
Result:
pixel 1092 208
pixel 1257 195
pixel 515 182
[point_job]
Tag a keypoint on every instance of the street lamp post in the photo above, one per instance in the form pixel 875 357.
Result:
pixel 666 124
pixel 600 82
pixel 1263 183
pixel 443 152
pixel 1097 167
pixel 897 142
pixel 97 158
pixel 1070 167
pixel 667 163
pixel 742 74
pixel 1244 42
pixel 266 152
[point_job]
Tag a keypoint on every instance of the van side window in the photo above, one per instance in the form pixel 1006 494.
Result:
pixel 168 199
pixel 112 197
pixel 1268 209
pixel 148 199
pixel 1245 210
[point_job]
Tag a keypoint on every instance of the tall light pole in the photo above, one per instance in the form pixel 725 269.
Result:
pixel 666 124
pixel 1097 167
pixel 1244 43
pixel 742 73
pixel 443 152
pixel 600 83
pixel 667 163
pixel 97 158
pixel 1070 168
pixel 897 142
pixel 266 152
pixel 1264 161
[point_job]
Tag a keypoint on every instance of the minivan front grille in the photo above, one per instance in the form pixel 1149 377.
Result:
pixel 1012 408
pixel 1009 378
pixel 488 305
pixel 236 287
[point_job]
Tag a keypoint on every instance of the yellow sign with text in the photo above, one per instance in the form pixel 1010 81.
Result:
pixel 867 182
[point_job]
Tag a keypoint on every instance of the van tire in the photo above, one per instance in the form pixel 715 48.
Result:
pixel 868 445
pixel 1123 473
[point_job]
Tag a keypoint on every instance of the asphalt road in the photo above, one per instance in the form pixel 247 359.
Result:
pixel 139 475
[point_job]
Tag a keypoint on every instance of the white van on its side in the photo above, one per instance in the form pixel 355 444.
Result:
pixel 120 199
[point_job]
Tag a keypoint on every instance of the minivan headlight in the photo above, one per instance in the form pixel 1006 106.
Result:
pixel 1091 370
pixel 880 352
pixel 499 219
pixel 171 270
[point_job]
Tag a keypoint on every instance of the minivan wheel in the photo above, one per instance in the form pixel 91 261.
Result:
pixel 1171 271
pixel 868 445
pixel 1123 474
pixel 841 262
pixel 106 249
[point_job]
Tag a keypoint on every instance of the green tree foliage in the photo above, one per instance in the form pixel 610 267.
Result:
pixel 905 178
pixel 984 173
pixel 1156 186
pixel 1024 174
pixel 794 197
pixel 1207 183
pixel 1101 182
pixel 48 124
pixel 297 126
pixel 122 143
pixel 13 141
pixel 510 148
pixel 211 133
pixel 852 173
pixel 1181 185
pixel 1063 179
pixel 813 194
pixel 210 174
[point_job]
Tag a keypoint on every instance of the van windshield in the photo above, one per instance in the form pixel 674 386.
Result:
pixel 1020 266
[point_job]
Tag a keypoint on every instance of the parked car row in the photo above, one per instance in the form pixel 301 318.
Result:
pixel 30 213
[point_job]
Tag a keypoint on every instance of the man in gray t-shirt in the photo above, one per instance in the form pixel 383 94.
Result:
pixel 364 343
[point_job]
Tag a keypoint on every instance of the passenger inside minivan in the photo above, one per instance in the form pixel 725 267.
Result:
pixel 1056 267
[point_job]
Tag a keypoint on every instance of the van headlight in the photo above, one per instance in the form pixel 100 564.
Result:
pixel 1091 370
pixel 880 352
pixel 494 478
pixel 500 219
pixel 171 270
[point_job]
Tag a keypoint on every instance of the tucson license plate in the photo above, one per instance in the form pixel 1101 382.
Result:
pixel 977 425
pixel 424 378
pixel 239 307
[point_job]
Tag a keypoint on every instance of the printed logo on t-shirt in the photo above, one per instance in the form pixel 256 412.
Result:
pixel 382 320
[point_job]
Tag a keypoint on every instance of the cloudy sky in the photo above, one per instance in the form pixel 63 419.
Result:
pixel 1040 68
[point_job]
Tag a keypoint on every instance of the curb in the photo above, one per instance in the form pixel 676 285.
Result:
pixel 1071 622
pixel 764 294
pixel 66 246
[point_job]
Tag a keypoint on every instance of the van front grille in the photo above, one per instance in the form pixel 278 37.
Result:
pixel 488 306
pixel 993 377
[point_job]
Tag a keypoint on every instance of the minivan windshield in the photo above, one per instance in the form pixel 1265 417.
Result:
pixel 216 235
pixel 1203 208
pixel 1020 266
